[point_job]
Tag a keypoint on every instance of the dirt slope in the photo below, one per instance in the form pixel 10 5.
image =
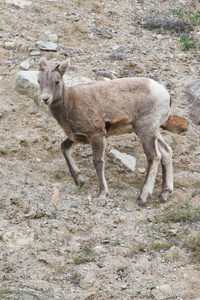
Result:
pixel 76 246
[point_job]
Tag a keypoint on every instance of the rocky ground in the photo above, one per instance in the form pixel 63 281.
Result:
pixel 58 241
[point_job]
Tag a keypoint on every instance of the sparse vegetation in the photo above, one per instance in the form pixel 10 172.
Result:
pixel 195 19
pixel 193 244
pixel 75 277
pixel 187 42
pixel 87 254
pixel 159 245
pixel 183 213
pixel 166 23
pixel 188 216
pixel 82 247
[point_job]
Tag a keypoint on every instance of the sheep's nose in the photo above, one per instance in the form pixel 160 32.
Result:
pixel 45 99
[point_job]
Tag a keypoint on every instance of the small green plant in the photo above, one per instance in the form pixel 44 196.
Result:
pixel 176 11
pixel 195 19
pixel 187 42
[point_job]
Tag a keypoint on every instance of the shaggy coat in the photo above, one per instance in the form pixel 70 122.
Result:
pixel 89 113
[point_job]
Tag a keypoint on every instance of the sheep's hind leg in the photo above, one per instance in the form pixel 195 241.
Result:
pixel 167 169
pixel 150 145
pixel 75 172
pixel 98 146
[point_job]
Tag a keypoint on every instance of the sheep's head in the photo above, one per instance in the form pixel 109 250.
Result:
pixel 50 79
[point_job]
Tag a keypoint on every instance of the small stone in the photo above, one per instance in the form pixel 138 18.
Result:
pixel 124 287
pixel 74 205
pixel 53 38
pixel 100 265
pixel 9 45
pixel 1 77
pixel 173 231
pixel 47 46
pixel 25 65
pixel 142 170
pixel 1 115
pixel 98 249
pixel 175 124
pixel 165 289
pixel 35 53
pixel 122 219
pixel 3 149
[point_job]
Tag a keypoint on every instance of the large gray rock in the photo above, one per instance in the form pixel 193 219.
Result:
pixel 127 160
pixel 26 83
pixel 192 92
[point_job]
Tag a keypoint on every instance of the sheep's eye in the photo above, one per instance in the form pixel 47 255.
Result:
pixel 57 82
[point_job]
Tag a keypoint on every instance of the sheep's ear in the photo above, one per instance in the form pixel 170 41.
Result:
pixel 42 63
pixel 63 67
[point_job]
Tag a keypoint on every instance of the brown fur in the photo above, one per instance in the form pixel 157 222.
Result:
pixel 89 113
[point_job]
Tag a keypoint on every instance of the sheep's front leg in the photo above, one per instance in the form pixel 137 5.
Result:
pixel 98 146
pixel 75 172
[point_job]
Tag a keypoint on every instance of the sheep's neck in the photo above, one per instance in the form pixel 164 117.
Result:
pixel 61 110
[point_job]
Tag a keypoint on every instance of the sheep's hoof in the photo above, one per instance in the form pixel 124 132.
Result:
pixel 163 197
pixel 140 202
pixel 80 181
pixel 103 194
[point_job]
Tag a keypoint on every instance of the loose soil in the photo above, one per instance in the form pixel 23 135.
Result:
pixel 73 245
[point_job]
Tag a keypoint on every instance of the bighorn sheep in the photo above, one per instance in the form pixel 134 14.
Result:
pixel 89 113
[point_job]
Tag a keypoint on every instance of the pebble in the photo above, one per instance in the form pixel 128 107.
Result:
pixel 142 170
pixel 122 219
pixel 35 53
pixel 1 115
pixel 124 287
pixel 74 205
pixel 9 45
pixel 1 77
pixel 53 38
pixel 165 289
pixel 25 65
pixel 100 265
